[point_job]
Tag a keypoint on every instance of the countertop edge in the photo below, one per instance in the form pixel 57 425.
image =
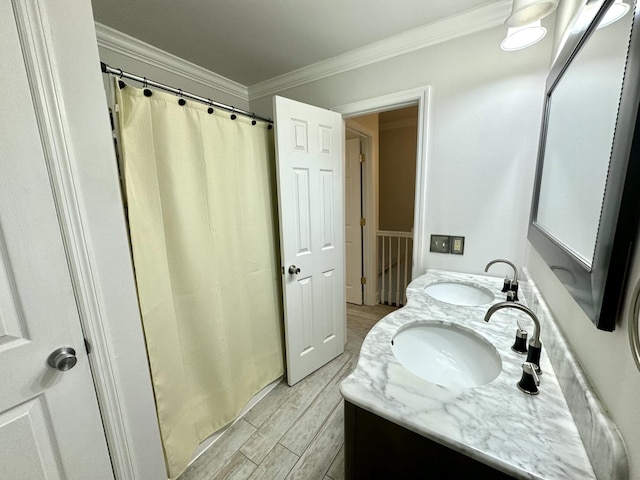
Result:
pixel 601 437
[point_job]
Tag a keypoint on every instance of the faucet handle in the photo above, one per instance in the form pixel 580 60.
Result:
pixel 520 344
pixel 533 355
pixel 530 381
pixel 513 288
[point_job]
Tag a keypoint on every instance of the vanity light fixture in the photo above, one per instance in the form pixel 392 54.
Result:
pixel 526 12
pixel 523 37
pixel 524 26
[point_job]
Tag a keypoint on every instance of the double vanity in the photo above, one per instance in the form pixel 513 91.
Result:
pixel 435 393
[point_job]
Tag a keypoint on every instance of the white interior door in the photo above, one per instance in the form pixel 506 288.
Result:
pixel 50 426
pixel 353 214
pixel 309 152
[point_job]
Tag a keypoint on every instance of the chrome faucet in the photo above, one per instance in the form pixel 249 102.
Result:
pixel 510 287
pixel 535 346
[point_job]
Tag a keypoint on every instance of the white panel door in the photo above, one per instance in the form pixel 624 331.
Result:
pixel 310 165
pixel 353 213
pixel 50 425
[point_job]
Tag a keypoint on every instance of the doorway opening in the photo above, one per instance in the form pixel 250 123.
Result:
pixel 380 172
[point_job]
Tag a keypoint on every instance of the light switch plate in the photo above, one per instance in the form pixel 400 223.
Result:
pixel 440 243
pixel 457 245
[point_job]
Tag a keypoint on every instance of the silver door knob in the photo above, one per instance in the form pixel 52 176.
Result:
pixel 293 270
pixel 63 359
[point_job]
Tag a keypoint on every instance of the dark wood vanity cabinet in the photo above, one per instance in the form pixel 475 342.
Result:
pixel 376 448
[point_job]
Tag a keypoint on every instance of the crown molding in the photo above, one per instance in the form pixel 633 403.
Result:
pixel 449 28
pixel 138 50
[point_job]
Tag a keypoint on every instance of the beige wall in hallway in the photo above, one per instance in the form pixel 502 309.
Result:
pixel 398 145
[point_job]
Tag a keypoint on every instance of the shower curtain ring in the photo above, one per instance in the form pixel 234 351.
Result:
pixel 210 109
pixel 181 101
pixel 146 91
pixel 233 114
pixel 253 120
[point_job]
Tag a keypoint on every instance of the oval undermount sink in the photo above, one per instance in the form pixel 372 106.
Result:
pixel 459 293
pixel 447 355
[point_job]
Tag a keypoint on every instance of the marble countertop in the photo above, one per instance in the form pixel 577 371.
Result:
pixel 532 437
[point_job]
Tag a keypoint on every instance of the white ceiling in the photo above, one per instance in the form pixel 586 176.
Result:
pixel 250 41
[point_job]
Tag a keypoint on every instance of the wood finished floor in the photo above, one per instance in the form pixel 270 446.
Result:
pixel 293 432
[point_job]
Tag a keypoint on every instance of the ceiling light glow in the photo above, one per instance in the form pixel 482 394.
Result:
pixel 523 37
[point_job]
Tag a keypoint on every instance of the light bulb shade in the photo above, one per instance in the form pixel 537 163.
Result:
pixel 524 12
pixel 523 37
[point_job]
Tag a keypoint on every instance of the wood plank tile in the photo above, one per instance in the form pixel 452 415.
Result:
pixel 238 467
pixel 336 470
pixel 300 435
pixel 360 319
pixel 369 312
pixel 278 413
pixel 265 438
pixel 276 465
pixel 218 454
pixel 317 459
pixel 268 405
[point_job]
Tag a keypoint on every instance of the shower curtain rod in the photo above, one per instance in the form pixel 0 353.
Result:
pixel 207 101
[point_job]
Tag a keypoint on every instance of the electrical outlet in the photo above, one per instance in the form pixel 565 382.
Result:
pixel 457 245
pixel 440 243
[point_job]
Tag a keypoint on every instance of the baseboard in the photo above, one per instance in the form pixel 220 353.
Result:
pixel 213 438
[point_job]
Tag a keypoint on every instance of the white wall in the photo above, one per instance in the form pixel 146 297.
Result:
pixel 484 118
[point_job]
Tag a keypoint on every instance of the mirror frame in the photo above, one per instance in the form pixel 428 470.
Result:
pixel 598 288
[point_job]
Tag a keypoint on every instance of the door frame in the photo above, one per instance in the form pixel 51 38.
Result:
pixel 361 147
pixel 63 67
pixel 369 205
pixel 418 96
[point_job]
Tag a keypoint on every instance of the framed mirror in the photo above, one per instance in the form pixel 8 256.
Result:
pixel 634 326
pixel 586 198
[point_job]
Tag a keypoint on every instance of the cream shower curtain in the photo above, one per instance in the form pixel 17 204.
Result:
pixel 200 196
